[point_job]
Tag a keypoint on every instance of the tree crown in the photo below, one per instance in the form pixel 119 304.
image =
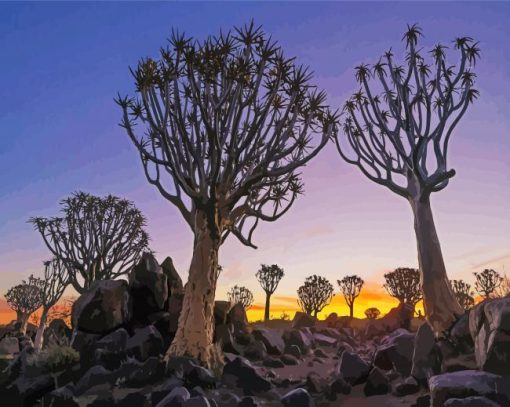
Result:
pixel 269 277
pixel 404 284
pixel 240 295
pixel 350 286
pixel 315 294
pixel 26 297
pixel 487 282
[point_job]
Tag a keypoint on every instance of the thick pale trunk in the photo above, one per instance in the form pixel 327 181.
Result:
pixel 194 336
pixel 266 312
pixel 39 336
pixel 441 306
pixel 24 322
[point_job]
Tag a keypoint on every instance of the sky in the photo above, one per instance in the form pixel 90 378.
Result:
pixel 63 63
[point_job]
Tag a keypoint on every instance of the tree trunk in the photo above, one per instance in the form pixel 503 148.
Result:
pixel 24 322
pixel 441 306
pixel 194 336
pixel 351 310
pixel 40 330
pixel 266 312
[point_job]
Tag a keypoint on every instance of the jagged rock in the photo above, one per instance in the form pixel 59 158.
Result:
pixel 61 397
pixel 199 401
pixel 273 362
pixel 105 307
pixel 110 350
pixel 298 338
pixel 456 362
pixel 193 374
pixel 332 320
pixel 325 340
pixel 177 397
pixel 160 391
pixel 133 398
pixel 320 353
pixel 175 293
pixel 255 351
pixel 302 320
pixel 468 383
pixel 272 339
pixel 398 317
pixel 489 325
pixel 137 374
pixel 227 399
pixel 425 362
pixel 377 383
pixel 223 336
pixel 9 346
pixel 352 368
pixel 460 334
pixel 25 391
pixel 396 349
pixel 337 386
pixel 96 375
pixel 241 373
pixel 471 402
pixel 297 398
pixel 289 360
pixel 221 310
pixel 248 402
pixel 237 317
pixel 315 383
pixel 164 323
pixel 85 344
pixel 146 342
pixel 293 350
pixel 422 401
pixel 406 386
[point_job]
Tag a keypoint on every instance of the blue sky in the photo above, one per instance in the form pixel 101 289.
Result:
pixel 62 64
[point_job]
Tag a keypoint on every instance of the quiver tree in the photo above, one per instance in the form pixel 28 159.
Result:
pixel 350 287
pixel 223 127
pixel 96 238
pixel 25 298
pixel 397 129
pixel 487 281
pixel 372 313
pixel 269 277
pixel 240 295
pixel 403 283
pixel 463 293
pixel 52 287
pixel 314 294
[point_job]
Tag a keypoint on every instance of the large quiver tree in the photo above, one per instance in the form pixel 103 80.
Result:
pixel 315 294
pixel 240 295
pixel 223 125
pixel 398 128
pixel 25 299
pixel 350 287
pixel 269 277
pixel 96 238
pixel 403 284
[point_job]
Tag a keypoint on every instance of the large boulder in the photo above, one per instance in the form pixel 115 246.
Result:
pixel 175 292
pixel 398 317
pixel 237 317
pixel 221 310
pixel 9 346
pixel 489 325
pixel 303 320
pixel 425 362
pixel 471 402
pixel 240 372
pixel 297 398
pixel 103 308
pixel 85 344
pixel 396 352
pixel 146 342
pixel 377 383
pixel 468 383
pixel 352 368
pixel 192 374
pixel 110 350
pixel 272 339
pixel 298 338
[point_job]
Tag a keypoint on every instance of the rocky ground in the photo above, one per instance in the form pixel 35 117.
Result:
pixel 122 329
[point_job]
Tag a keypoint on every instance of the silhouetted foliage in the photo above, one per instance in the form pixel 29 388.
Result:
pixel 269 277
pixel 464 294
pixel 487 281
pixel 240 295
pixel 503 290
pixel 314 294
pixel 404 284
pixel 96 239
pixel 350 287
pixel 372 313
pixel 25 298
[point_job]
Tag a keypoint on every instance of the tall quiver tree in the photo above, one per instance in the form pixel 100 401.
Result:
pixel 56 279
pixel 398 127
pixel 269 277
pixel 224 126
pixel 350 287
pixel 25 299
pixel 403 284
pixel 315 294
pixel 97 238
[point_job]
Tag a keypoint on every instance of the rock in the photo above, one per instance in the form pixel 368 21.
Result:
pixel 105 307
pixel 110 350
pixel 468 383
pixel 199 401
pixel 237 317
pixel 61 397
pixel 9 346
pixel 377 383
pixel 293 350
pixel 397 350
pixel 25 391
pixel 471 402
pixel 244 375
pixel 320 353
pixel 398 317
pixel 94 376
pixel 324 340
pixel 338 386
pixel 273 362
pixel 221 310
pixel 146 342
pixel 454 363
pixel 138 374
pixel 227 399
pixel 405 387
pixel 85 344
pixel 223 336
pixel 461 336
pixel 422 401
pixel 315 383
pixel 302 320
pixel 248 402
pixel 160 391
pixel 489 325
pixel 297 398
pixel 289 360
pixel 425 361
pixel 332 320
pixel 298 338
pixel 255 351
pixel 271 339
pixel 164 323
pixel 134 398
pixel 193 374
pixel 352 368
pixel 175 398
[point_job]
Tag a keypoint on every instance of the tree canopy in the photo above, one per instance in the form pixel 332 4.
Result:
pixel 487 281
pixel 240 295
pixel 404 284
pixel 314 294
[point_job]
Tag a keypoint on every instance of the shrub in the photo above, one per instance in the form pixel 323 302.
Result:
pixel 55 358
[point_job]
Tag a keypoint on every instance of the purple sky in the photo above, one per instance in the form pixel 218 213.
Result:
pixel 62 64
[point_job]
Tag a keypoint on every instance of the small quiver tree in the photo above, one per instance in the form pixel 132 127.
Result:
pixel 404 284
pixel 464 294
pixel 96 238
pixel 52 287
pixel 487 281
pixel 314 294
pixel 350 287
pixel 397 130
pixel 24 299
pixel 269 277
pixel 240 295
pixel 372 313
